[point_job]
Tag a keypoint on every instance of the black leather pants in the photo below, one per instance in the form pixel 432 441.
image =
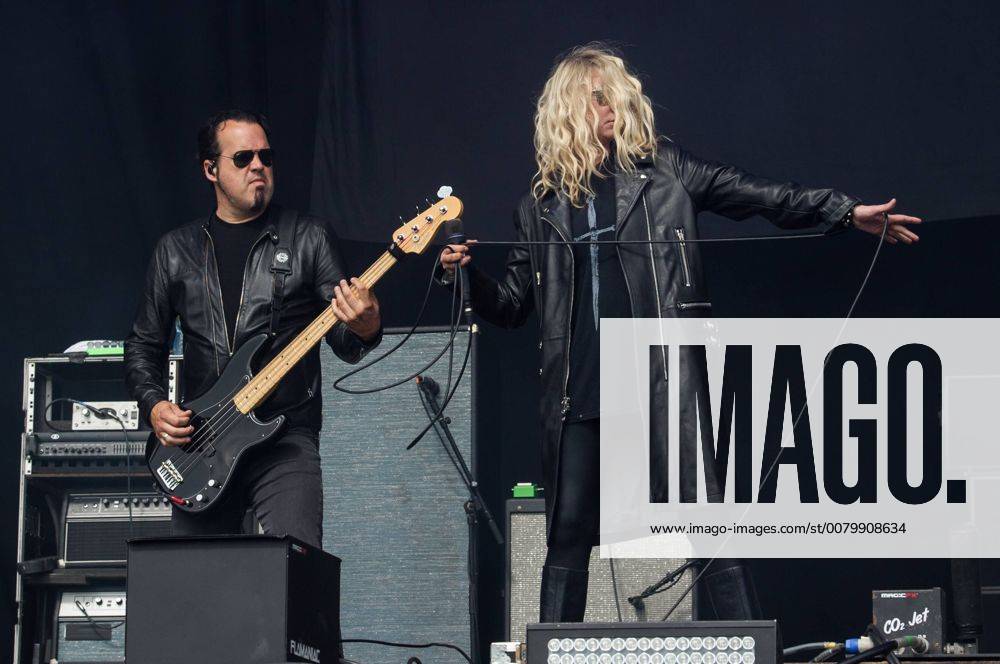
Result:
pixel 575 525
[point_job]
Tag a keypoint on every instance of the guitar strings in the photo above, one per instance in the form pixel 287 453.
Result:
pixel 202 437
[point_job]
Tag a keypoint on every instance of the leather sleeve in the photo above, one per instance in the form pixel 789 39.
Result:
pixel 329 270
pixel 736 194
pixel 509 301
pixel 146 349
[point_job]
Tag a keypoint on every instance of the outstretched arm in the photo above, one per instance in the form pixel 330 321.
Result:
pixel 737 194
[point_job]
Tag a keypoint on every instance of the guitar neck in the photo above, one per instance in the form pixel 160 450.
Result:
pixel 268 378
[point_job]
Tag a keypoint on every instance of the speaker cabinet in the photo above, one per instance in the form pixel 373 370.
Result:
pixel 526 556
pixel 396 517
pixel 251 599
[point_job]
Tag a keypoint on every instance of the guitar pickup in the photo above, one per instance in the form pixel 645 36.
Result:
pixel 170 475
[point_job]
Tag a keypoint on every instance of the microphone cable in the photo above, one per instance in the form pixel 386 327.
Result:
pixel 706 240
pixel 388 386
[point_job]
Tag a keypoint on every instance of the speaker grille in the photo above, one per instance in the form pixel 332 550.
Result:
pixel 526 551
pixel 396 517
pixel 81 641
pixel 93 541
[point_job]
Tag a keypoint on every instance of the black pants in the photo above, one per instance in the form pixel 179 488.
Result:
pixel 281 481
pixel 576 517
pixel 574 527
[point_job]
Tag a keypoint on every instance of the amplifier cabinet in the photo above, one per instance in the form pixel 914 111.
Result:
pixel 397 516
pixel 97 525
pixel 630 576
pixel 91 626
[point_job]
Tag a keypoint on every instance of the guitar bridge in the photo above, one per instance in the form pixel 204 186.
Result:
pixel 169 474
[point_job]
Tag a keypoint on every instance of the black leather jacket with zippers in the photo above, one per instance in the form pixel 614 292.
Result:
pixel 659 201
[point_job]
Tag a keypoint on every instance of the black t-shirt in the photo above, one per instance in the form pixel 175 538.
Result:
pixel 232 243
pixel 611 301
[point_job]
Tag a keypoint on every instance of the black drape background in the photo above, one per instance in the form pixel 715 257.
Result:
pixel 375 104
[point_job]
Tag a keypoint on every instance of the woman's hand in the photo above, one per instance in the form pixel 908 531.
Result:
pixel 455 254
pixel 871 218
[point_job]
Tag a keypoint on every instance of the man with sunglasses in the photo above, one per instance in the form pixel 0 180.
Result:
pixel 247 268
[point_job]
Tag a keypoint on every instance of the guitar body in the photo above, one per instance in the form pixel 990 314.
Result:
pixel 194 476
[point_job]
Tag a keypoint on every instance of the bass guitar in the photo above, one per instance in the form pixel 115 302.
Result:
pixel 195 475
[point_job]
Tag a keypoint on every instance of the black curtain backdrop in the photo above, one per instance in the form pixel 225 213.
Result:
pixel 375 104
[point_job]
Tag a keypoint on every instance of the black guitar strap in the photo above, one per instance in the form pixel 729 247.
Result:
pixel 281 265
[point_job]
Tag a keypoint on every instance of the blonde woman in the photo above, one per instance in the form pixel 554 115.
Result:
pixel 605 174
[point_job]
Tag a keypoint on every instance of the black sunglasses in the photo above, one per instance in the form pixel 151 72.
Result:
pixel 243 158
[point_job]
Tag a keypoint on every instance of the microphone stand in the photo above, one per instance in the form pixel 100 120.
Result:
pixel 474 506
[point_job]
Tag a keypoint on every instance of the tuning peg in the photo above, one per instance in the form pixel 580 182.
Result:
pixel 444 191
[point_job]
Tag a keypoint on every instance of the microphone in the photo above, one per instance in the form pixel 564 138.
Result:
pixel 458 237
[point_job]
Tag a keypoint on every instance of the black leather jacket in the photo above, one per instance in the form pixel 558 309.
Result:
pixel 183 280
pixel 660 201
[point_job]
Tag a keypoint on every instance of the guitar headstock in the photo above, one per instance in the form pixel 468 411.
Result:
pixel 417 234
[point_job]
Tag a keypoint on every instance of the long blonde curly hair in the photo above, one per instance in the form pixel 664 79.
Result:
pixel 567 149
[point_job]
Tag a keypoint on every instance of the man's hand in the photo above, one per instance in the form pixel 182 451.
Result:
pixel 357 307
pixel 171 424
pixel 453 254
pixel 870 219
